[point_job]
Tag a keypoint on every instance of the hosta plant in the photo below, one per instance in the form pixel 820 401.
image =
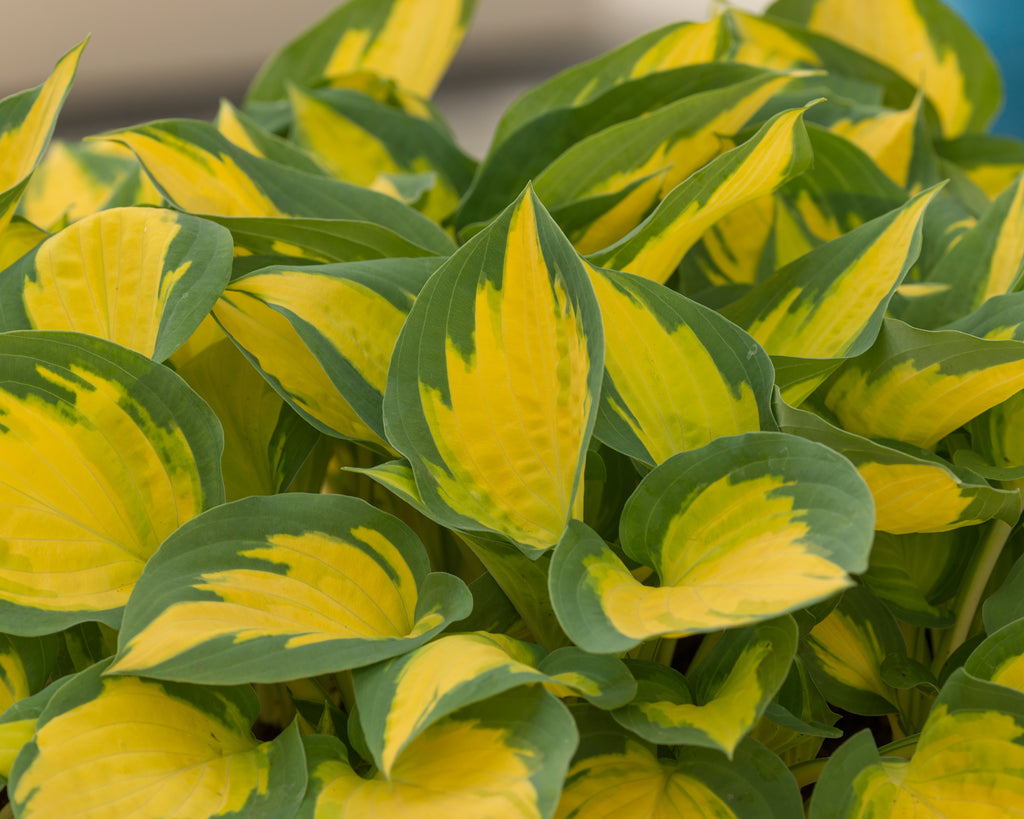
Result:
pixel 663 462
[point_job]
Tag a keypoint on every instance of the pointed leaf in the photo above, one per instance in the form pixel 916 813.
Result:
pixel 778 151
pixel 19 238
pixel 323 336
pixel 104 454
pixel 923 41
pixel 505 756
pixel 26 123
pixel 141 277
pixel 199 171
pixel 732 686
pixel 677 375
pixel 493 385
pixel 990 162
pixel 703 520
pixel 242 130
pixel 132 747
pixel 894 390
pixel 404 40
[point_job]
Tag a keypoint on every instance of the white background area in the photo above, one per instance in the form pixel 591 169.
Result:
pixel 149 59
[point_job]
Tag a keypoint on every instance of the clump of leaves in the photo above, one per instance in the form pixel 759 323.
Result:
pixel 664 463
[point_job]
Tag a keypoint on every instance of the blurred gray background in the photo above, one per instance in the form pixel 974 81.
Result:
pixel 150 59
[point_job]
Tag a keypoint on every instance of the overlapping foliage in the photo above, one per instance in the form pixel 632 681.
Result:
pixel 663 463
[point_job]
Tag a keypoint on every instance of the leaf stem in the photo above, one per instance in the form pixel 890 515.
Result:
pixel 971 592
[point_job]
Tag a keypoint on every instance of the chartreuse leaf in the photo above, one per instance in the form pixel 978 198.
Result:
pixel 527 151
pixel 738 531
pixel 667 48
pixel 913 491
pixel 969 761
pixel 663 147
pixel 26 123
pixel 242 130
pixel 776 153
pixel 200 171
pixel 141 277
pixel 401 698
pixel 493 386
pixel 845 651
pixel 677 374
pixel 366 142
pixel 403 40
pixel 323 336
pixel 104 453
pixel 917 386
pixel 75 180
pixel 265 440
pixel 18 239
pixel 228 598
pixel 829 304
pixel 990 162
pixel 985 262
pixel 732 686
pixel 614 775
pixel 505 756
pixel 18 725
pixel 923 41
pixel 140 748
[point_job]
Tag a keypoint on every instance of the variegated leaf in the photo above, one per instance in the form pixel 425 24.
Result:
pixel 923 41
pixel 408 41
pixel 677 375
pixel 1000 658
pixel 968 762
pixel 242 130
pixel 25 666
pixel 913 491
pixel 776 153
pixel 493 386
pixel 505 756
pixel 323 336
pixel 26 123
pixel 738 531
pixel 141 277
pixel 615 775
pixel 664 146
pixel 990 162
pixel 228 598
pixel 917 386
pixel 524 153
pixel 18 725
pixel 732 686
pixel 200 171
pixel 19 238
pixel 144 749
pixel 104 453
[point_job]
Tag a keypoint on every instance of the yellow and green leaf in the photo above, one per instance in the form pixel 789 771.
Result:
pixel 505 756
pixel 323 336
pixel 408 41
pixel 829 304
pixel 18 725
pixel 664 146
pixel 25 666
pixel 365 142
pixel 913 491
pixel 242 130
pixel 270 589
pixel 845 651
pixel 493 387
pixel 127 746
pixel 20 237
pixel 739 531
pixel 916 386
pixel 141 277
pixel 677 374
pixel 777 152
pixel 198 170
pixel 924 41
pixel 524 153
pixel 968 761
pixel 615 775
pixel 732 686
pixel 265 440
pixel 27 120
pixel 1000 657
pixel 103 453
pixel 990 162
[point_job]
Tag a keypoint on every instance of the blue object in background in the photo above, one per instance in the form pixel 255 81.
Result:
pixel 1000 23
